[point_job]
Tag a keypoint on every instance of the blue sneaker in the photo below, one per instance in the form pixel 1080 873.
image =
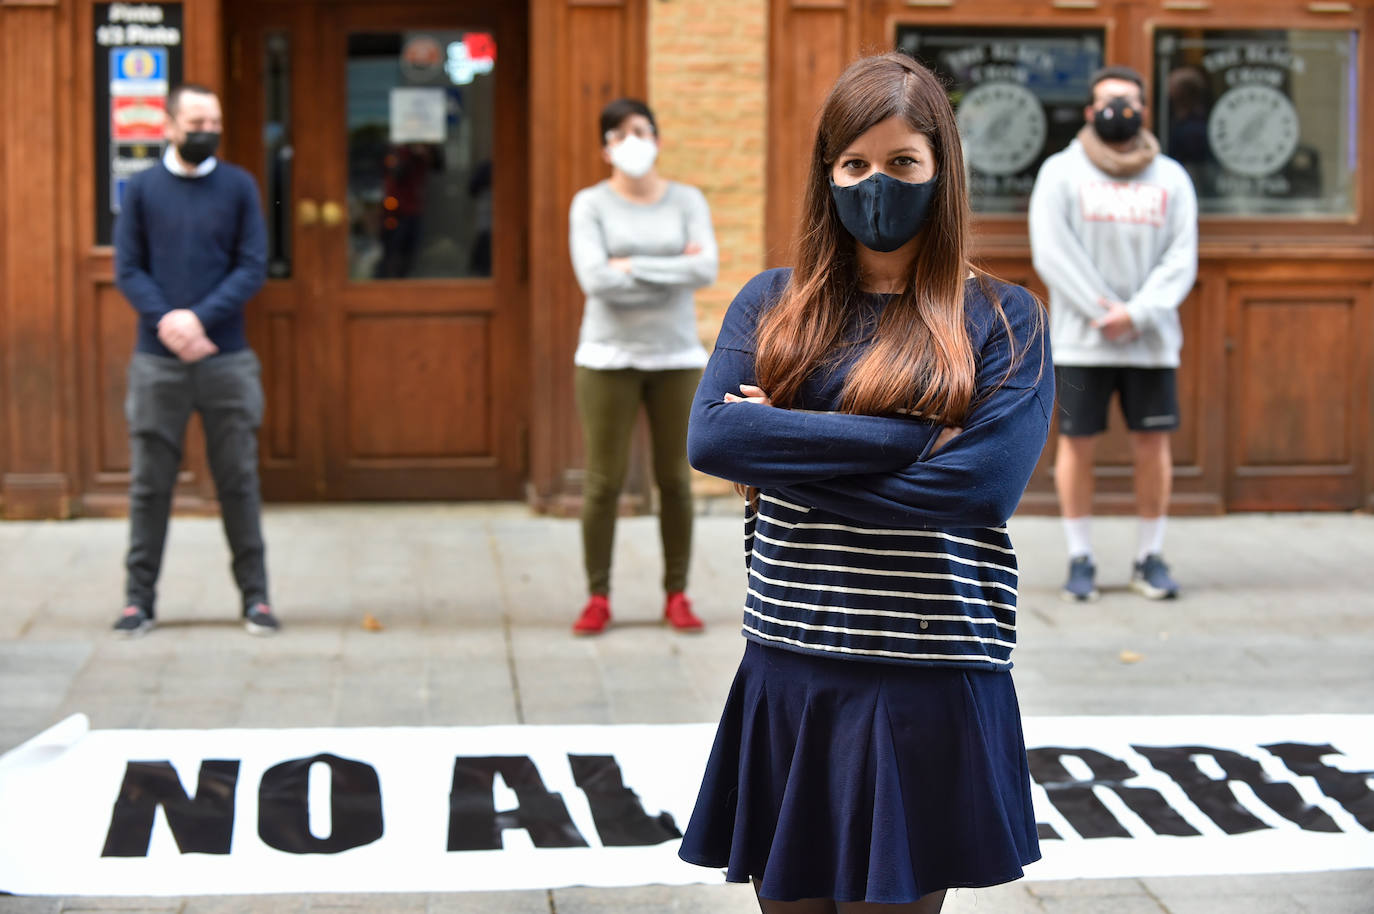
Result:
pixel 1151 578
pixel 1082 583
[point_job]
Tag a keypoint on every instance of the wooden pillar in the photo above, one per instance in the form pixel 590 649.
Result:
pixel 583 53
pixel 35 326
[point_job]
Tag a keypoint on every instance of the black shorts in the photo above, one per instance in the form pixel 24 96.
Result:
pixel 1149 398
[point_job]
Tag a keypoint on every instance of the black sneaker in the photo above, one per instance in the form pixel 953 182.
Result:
pixel 1151 578
pixel 260 621
pixel 134 621
pixel 1082 583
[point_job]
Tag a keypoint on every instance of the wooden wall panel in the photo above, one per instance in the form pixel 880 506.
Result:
pixel 1299 389
pixel 397 361
pixel 4 271
pixel 280 388
pixel 810 43
pixel 32 349
pixel 113 325
pixel 583 54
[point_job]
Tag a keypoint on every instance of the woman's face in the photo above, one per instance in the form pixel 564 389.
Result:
pixel 889 146
pixel 636 125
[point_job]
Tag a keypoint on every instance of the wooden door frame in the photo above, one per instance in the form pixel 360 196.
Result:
pixel 319 470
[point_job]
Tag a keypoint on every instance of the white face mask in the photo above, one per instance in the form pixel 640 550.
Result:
pixel 634 156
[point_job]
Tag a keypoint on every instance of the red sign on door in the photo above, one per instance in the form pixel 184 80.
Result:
pixel 137 118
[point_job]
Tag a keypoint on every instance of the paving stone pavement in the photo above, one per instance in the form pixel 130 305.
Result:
pixel 1277 617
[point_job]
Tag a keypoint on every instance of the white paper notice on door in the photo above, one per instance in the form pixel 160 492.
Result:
pixel 418 115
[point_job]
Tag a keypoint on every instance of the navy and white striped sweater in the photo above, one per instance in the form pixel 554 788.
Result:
pixel 864 544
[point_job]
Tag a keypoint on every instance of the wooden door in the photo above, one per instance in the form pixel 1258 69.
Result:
pixel 388 141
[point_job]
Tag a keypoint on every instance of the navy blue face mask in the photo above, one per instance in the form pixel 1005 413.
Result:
pixel 881 212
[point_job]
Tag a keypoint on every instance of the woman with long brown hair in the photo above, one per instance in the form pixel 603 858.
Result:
pixel 882 404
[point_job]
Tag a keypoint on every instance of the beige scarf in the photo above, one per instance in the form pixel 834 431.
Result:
pixel 1119 164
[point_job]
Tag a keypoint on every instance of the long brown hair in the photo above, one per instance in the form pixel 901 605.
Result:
pixel 920 358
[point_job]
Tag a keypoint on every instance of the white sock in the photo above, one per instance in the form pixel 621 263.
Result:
pixel 1079 532
pixel 1150 537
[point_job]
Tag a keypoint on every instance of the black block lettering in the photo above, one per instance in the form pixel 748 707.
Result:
pixel 355 806
pixel 1086 813
pixel 1215 798
pixel 620 818
pixel 204 825
pixel 475 825
pixel 1349 788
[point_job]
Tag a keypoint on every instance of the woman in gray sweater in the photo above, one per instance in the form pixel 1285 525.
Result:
pixel 640 245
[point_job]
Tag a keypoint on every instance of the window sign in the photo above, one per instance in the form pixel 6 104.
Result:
pixel 1263 120
pixel 137 59
pixel 1018 95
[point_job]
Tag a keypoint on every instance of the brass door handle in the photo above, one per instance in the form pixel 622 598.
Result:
pixel 307 212
pixel 332 213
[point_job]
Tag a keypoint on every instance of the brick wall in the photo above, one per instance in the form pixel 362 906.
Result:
pixel 707 62
pixel 707 66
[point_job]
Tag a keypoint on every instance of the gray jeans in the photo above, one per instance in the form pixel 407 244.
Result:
pixel 227 392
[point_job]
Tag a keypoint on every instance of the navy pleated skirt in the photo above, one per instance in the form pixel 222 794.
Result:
pixel 858 781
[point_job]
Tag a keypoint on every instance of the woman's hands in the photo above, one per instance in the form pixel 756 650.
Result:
pixel 946 435
pixel 754 394
pixel 751 393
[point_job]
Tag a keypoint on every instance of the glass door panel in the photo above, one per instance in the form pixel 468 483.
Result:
pixel 420 114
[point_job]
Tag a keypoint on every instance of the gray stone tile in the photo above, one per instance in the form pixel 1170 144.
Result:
pixel 697 899
pixel 247 904
pixel 1101 904
pixel 1060 888
pixel 1012 898
pixel 532 902
pixel 1218 903
pixel 15 904
pixel 148 905
pixel 392 903
pixel 1301 885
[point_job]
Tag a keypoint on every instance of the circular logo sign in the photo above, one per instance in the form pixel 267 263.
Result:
pixel 422 58
pixel 1253 130
pixel 137 64
pixel 1003 127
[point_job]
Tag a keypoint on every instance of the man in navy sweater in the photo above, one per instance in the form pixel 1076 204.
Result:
pixel 190 251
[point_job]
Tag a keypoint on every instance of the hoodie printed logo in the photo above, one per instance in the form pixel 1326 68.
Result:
pixel 1110 201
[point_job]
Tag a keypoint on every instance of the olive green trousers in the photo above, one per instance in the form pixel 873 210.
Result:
pixel 608 402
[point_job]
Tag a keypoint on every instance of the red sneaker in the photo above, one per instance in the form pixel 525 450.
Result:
pixel 596 615
pixel 677 612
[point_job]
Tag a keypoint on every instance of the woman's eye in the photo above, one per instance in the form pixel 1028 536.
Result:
pixel 854 164
pixel 904 162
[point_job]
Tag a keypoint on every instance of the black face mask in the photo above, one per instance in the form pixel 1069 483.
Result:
pixel 1118 121
pixel 881 212
pixel 198 146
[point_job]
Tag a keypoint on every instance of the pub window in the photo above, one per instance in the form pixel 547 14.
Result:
pixel 1018 95
pixel 1263 119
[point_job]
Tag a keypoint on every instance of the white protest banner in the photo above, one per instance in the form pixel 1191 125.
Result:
pixel 194 812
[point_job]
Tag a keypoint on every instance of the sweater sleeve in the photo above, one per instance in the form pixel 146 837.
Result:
pixel 132 276
pixel 587 245
pixel 1056 251
pixel 1173 276
pixel 978 477
pixel 766 446
pixel 690 270
pixel 250 263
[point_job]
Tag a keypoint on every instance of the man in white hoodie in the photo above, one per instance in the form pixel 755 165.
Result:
pixel 1113 231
